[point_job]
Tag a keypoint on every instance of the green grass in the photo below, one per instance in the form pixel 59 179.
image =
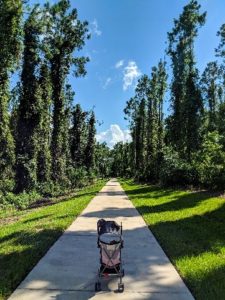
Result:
pixel 25 236
pixel 190 226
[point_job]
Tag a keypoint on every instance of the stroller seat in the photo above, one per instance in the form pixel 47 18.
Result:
pixel 110 242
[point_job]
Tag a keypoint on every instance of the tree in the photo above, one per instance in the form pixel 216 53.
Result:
pixel 212 91
pixel 78 136
pixel 102 160
pixel 44 128
pixel 29 110
pixel 135 111
pixel 193 107
pixel 10 40
pixel 185 106
pixel 220 51
pixel 90 147
pixel 121 160
pixel 155 126
pixel 141 92
pixel 66 34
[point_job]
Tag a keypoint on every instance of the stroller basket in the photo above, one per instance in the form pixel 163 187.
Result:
pixel 110 242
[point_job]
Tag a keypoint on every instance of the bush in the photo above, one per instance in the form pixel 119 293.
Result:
pixel 210 162
pixel 50 189
pixel 78 177
pixel 20 201
pixel 175 171
pixel 7 185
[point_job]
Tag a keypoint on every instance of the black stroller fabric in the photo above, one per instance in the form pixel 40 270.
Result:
pixel 107 227
pixel 109 232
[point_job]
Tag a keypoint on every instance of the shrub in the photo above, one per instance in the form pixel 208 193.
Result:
pixel 175 171
pixel 7 185
pixel 210 162
pixel 20 201
pixel 78 177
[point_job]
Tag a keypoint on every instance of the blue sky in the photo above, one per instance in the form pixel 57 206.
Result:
pixel 128 38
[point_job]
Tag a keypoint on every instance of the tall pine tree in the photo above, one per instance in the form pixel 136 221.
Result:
pixel 186 101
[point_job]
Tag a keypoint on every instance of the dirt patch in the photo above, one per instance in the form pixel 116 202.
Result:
pixel 42 202
pixel 9 220
pixel 51 201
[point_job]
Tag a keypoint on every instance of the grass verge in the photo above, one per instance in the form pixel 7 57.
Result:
pixel 27 235
pixel 190 227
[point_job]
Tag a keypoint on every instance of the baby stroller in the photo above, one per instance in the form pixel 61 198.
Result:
pixel 110 242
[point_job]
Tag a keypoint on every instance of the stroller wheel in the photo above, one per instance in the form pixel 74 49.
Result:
pixel 98 287
pixel 120 287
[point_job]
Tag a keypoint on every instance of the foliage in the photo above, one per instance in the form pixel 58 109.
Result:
pixel 103 160
pixel 89 158
pixel 220 51
pixel 29 109
pixel 210 162
pixel 19 201
pixel 212 91
pixel 186 102
pixel 121 160
pixel 176 171
pixel 10 40
pixel 145 113
pixel 78 177
pixel 78 135
pixel 66 34
pixel 188 147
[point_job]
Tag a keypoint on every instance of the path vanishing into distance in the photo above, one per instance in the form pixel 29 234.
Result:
pixel 68 270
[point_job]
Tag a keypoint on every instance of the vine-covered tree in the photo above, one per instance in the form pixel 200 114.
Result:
pixel 145 113
pixel 140 125
pixel 78 133
pixel 212 91
pixel 186 102
pixel 89 156
pixel 66 34
pixel 29 110
pixel 155 126
pixel 44 127
pixel 10 49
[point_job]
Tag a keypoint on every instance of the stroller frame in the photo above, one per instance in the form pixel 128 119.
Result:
pixel 110 269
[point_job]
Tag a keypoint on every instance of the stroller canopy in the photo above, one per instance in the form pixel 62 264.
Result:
pixel 109 232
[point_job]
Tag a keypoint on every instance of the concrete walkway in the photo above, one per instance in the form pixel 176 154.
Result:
pixel 68 270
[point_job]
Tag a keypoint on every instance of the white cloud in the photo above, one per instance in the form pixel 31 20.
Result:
pixel 119 64
pixel 107 82
pixel 113 135
pixel 130 74
pixel 94 28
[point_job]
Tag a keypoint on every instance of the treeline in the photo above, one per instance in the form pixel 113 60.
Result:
pixel 47 145
pixel 187 147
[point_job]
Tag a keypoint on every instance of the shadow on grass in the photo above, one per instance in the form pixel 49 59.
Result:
pixel 190 235
pixel 176 201
pixel 36 219
pixel 194 237
pixel 15 265
pixel 211 285
pixel 190 238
